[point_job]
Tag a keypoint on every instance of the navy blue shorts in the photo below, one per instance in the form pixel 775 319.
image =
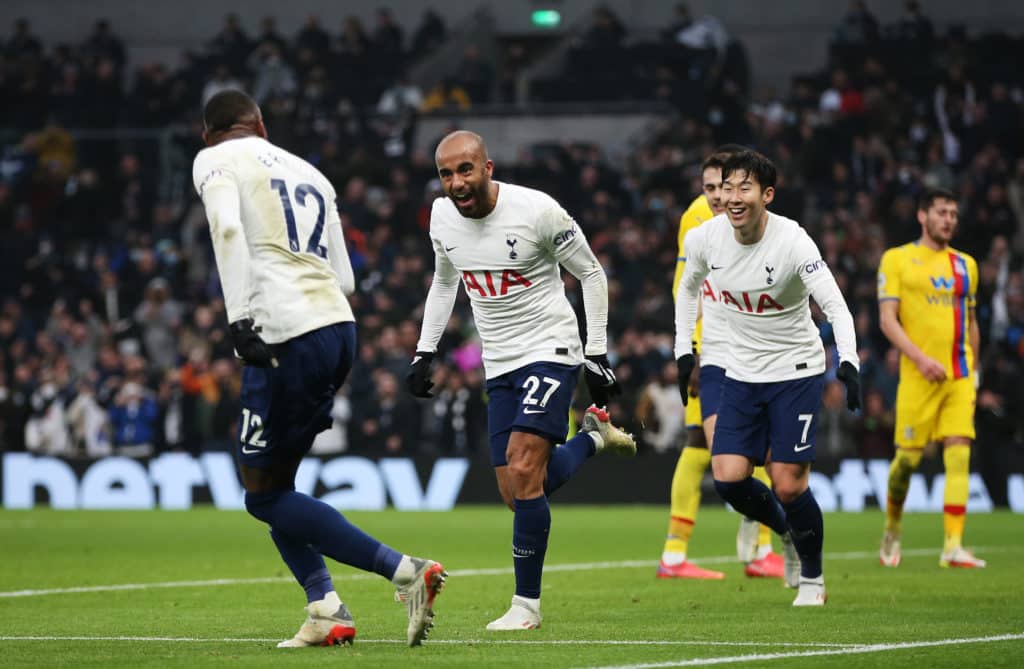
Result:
pixel 785 411
pixel 285 407
pixel 535 399
pixel 711 377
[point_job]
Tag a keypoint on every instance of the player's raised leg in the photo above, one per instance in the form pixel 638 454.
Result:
pixel 596 435
pixel 291 405
pixel 739 444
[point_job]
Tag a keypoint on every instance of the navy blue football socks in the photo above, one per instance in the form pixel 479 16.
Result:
pixel 308 521
pixel 756 501
pixel 306 565
pixel 530 527
pixel 808 532
pixel 566 459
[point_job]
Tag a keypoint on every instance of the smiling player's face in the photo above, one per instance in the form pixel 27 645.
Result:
pixel 465 175
pixel 745 201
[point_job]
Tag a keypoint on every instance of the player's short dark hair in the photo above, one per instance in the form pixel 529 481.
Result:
pixel 930 195
pixel 227 108
pixel 756 165
pixel 721 154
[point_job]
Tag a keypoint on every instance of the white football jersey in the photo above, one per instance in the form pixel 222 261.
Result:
pixel 289 281
pixel 762 289
pixel 508 263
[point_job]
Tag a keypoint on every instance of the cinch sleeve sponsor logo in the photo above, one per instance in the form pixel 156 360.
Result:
pixel 565 235
pixel 812 266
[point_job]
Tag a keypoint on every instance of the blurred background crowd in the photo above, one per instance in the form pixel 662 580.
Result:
pixel 112 328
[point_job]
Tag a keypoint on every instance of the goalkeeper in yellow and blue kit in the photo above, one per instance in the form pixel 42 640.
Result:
pixel 753 541
pixel 926 297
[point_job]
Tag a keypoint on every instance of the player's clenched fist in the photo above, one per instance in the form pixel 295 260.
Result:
pixel 850 377
pixel 249 346
pixel 685 365
pixel 417 381
pixel 600 379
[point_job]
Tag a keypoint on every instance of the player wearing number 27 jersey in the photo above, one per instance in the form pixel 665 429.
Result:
pixel 506 244
pixel 284 271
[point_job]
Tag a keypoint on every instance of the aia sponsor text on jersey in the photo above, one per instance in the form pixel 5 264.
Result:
pixel 755 303
pixel 493 283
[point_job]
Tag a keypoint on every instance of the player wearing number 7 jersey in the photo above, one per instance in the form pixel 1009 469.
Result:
pixel 765 268
pixel 505 243
pixel 285 272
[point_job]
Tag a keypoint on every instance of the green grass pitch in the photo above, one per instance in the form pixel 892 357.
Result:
pixel 216 593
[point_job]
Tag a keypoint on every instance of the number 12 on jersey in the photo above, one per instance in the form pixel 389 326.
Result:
pixel 301 192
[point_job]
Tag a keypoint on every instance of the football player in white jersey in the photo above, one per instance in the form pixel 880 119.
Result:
pixel 765 267
pixel 285 272
pixel 505 244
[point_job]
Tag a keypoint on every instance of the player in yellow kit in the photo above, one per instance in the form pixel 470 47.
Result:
pixel 926 295
pixel 753 542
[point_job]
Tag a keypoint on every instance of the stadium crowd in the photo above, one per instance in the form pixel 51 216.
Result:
pixel 112 328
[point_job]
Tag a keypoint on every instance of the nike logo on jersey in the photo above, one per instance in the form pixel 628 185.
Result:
pixel 449 248
pixel 718 267
pixel 797 449
pixel 249 451
pixel 528 410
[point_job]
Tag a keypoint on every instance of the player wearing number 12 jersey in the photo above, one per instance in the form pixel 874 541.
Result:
pixel 505 244
pixel 284 271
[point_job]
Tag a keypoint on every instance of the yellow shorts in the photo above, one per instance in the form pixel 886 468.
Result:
pixel 927 412
pixel 693 418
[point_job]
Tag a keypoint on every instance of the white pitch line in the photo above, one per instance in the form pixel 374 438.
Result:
pixel 489 642
pixel 492 571
pixel 856 650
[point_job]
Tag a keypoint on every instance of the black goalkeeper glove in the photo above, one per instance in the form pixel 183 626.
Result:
pixel 249 346
pixel 600 378
pixel 685 365
pixel 417 381
pixel 850 377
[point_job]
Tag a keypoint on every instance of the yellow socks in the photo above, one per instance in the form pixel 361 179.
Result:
pixel 903 465
pixel 690 468
pixel 957 460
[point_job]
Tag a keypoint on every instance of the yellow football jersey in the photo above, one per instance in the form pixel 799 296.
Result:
pixel 936 291
pixel 698 212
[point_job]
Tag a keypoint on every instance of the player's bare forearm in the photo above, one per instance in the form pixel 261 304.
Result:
pixel 891 327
